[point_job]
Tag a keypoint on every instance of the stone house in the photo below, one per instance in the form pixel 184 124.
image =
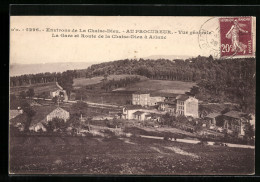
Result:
pixel 45 114
pixel 58 113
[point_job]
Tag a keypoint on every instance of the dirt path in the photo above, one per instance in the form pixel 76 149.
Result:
pixel 197 141
pixel 172 130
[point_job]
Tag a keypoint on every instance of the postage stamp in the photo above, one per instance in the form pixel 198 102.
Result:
pixel 236 36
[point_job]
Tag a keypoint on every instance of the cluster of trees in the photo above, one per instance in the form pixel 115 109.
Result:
pixel 123 82
pixel 29 93
pixel 65 79
pixel 29 79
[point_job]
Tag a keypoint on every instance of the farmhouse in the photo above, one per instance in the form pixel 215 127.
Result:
pixel 129 111
pixel 45 114
pixel 59 92
pixel 187 106
pixel 212 118
pixel 139 115
pixel 234 121
pixel 58 113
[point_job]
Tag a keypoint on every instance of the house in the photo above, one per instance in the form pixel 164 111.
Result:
pixel 37 127
pixel 45 114
pixel 59 92
pixel 141 98
pixel 234 121
pixel 187 106
pixel 155 99
pixel 58 113
pixel 139 115
pixel 167 106
pixel 14 113
pixel 128 111
pixel 212 118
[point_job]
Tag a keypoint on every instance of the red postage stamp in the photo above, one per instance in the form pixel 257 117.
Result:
pixel 236 36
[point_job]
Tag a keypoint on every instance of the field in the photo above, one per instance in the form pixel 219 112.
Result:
pixel 165 86
pixel 79 82
pixel 96 155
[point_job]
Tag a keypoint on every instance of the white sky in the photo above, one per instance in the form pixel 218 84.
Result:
pixel 41 47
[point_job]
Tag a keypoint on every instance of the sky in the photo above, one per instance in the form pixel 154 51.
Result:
pixel 32 47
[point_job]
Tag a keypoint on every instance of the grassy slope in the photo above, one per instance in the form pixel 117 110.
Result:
pixel 165 86
pixel 79 82
pixel 88 155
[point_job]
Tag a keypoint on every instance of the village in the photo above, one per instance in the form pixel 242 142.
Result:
pixel 145 110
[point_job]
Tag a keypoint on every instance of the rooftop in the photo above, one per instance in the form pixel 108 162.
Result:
pixel 182 97
pixel 164 94
pixel 13 113
pixel 235 114
pixel 42 112
pixel 213 115
pixel 132 107
pixel 141 92
pixel 138 113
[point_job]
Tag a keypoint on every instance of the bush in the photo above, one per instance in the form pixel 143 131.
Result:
pixel 203 141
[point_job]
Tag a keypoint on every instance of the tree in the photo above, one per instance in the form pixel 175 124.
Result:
pixel 29 113
pixel 56 124
pixel 66 81
pixel 194 90
pixel 249 131
pixel 80 108
pixel 22 94
pixel 44 95
pixel 30 92
pixel 55 100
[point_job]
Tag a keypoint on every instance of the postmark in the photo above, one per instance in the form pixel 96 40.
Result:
pixel 236 37
pixel 210 42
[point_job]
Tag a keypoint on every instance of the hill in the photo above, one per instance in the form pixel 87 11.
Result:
pixel 170 57
pixel 21 69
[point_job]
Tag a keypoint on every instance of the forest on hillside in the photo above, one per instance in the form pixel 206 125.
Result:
pixel 234 78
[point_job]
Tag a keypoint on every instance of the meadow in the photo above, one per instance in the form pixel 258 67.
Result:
pixel 161 86
pixel 97 155
pixel 80 82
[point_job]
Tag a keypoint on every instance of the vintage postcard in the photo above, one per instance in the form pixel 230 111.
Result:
pixel 115 95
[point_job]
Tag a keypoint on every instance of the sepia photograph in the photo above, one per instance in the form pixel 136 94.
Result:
pixel 132 95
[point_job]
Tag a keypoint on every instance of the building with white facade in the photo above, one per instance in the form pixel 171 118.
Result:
pixel 187 106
